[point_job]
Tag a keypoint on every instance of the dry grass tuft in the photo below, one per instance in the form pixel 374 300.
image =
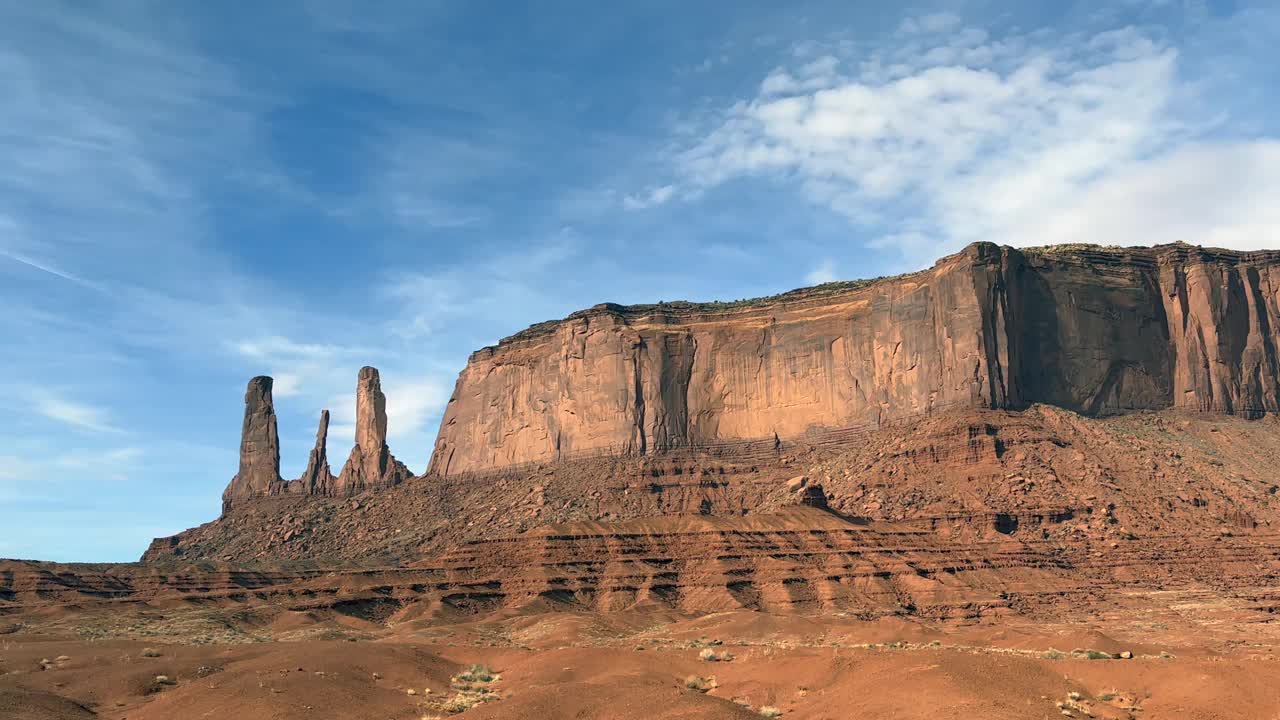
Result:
pixel 701 684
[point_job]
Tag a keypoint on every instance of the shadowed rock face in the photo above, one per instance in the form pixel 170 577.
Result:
pixel 259 446
pixel 317 479
pixel 1095 330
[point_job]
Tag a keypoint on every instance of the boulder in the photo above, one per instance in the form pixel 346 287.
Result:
pixel 813 496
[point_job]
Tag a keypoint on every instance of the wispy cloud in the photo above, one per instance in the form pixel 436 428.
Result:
pixel 46 268
pixel 825 272
pixel 930 23
pixel 115 463
pixel 653 198
pixel 515 283
pixel 953 136
pixel 78 415
pixel 276 347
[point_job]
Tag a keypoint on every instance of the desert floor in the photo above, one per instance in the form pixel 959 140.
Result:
pixel 1195 654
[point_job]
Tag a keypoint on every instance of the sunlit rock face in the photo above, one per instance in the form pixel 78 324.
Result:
pixel 1091 329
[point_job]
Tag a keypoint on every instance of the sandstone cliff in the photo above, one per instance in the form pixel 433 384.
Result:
pixel 1094 330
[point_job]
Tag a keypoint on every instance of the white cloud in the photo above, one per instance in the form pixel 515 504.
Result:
pixel 653 198
pixel 950 139
pixel 37 473
pixel 930 23
pixel 45 267
pixel 285 384
pixel 411 403
pixel 521 280
pixel 275 346
pixel 85 417
pixel 825 272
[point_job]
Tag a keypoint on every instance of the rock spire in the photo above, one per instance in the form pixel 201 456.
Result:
pixel 317 479
pixel 371 464
pixel 259 446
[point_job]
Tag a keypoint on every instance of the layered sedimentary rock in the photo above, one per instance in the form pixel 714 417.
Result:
pixel 1039 473
pixel 371 464
pixel 259 446
pixel 1095 330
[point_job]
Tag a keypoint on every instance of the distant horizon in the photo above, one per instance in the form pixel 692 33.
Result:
pixel 197 194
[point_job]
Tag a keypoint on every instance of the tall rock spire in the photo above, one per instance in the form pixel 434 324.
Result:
pixel 371 415
pixel 259 446
pixel 317 479
pixel 370 464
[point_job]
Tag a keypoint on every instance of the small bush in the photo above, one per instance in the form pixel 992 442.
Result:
pixel 770 712
pixel 459 703
pixel 710 655
pixel 477 674
pixel 150 652
pixel 701 684
pixel 1097 655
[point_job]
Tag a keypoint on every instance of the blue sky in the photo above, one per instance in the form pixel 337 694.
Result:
pixel 196 193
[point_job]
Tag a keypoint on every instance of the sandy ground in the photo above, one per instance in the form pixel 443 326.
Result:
pixel 1193 656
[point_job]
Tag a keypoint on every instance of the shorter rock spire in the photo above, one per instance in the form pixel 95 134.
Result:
pixel 317 479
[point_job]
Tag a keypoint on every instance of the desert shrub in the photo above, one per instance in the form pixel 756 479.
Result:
pixel 770 712
pixel 710 655
pixel 477 674
pixel 459 703
pixel 701 684
pixel 150 652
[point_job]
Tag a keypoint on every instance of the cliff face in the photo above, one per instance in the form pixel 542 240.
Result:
pixel 1098 331
pixel 1094 330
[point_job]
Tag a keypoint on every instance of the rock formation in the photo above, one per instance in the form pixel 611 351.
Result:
pixel 259 446
pixel 317 479
pixel 371 464
pixel 1091 329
